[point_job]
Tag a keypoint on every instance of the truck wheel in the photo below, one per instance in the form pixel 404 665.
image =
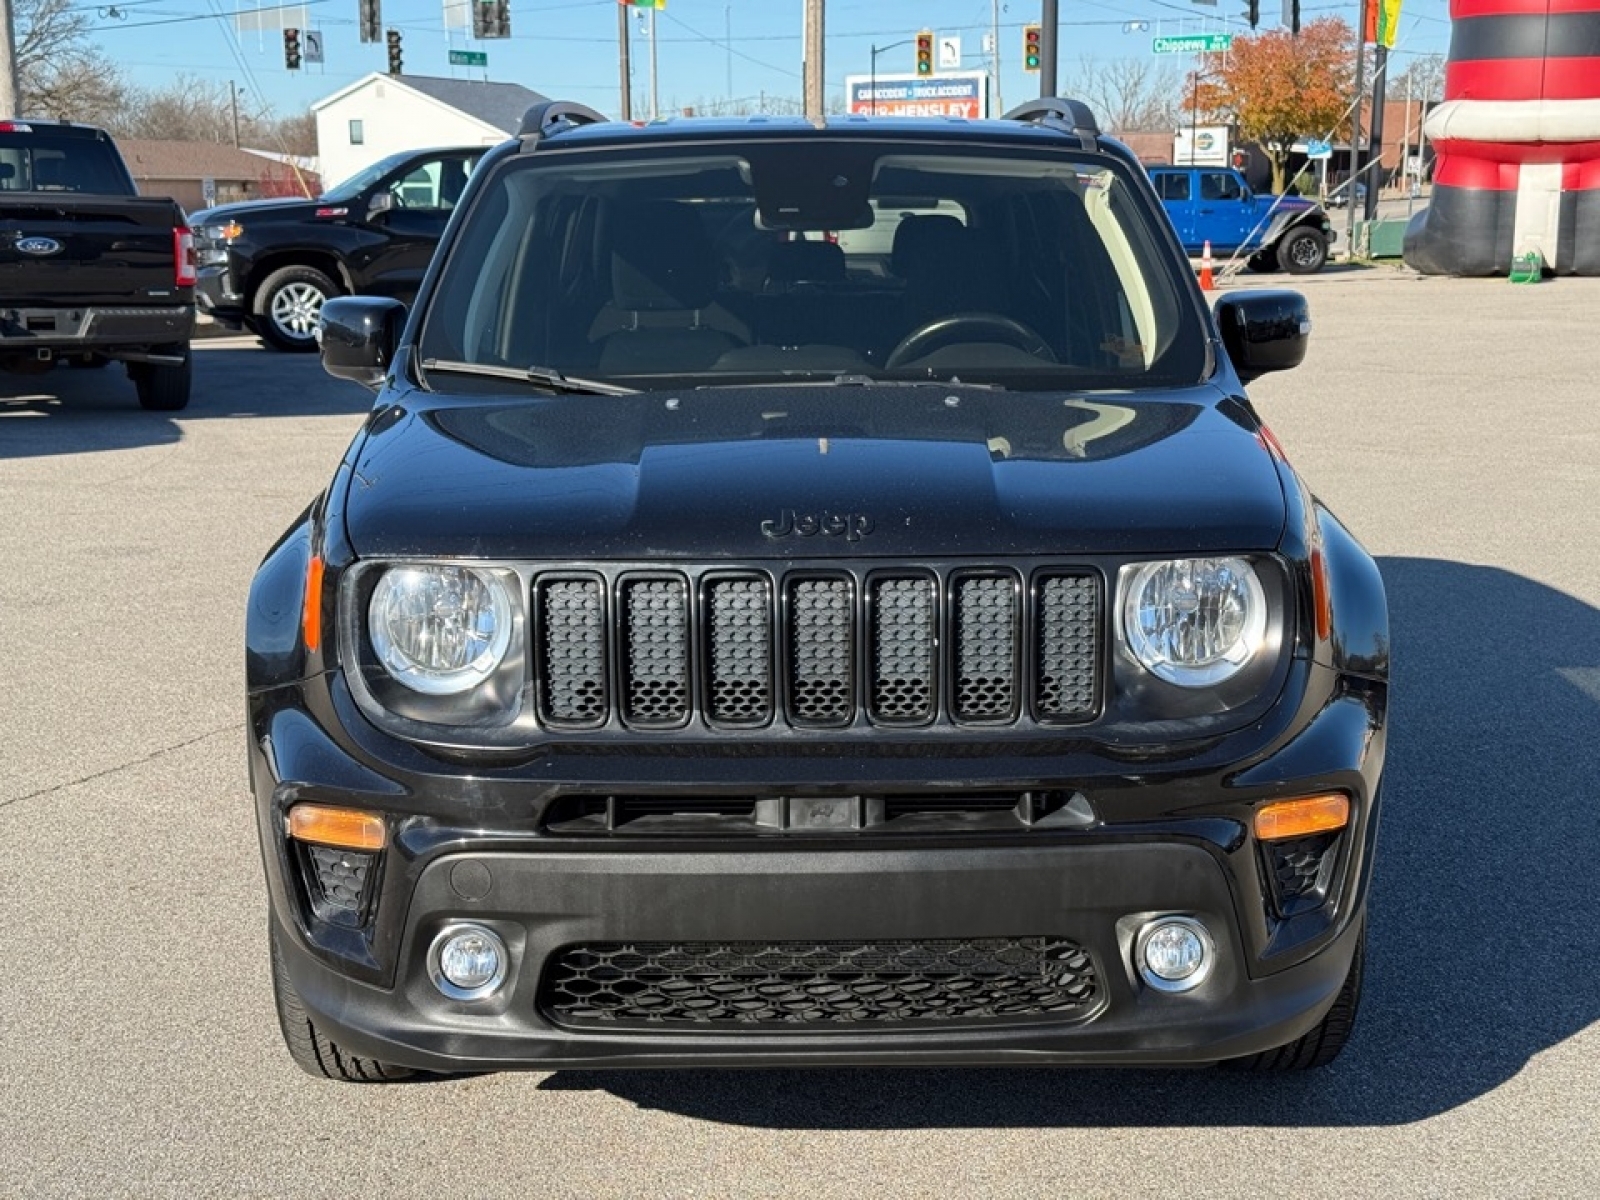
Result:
pixel 164 388
pixel 1302 251
pixel 287 305
pixel 1321 1045
pixel 311 1051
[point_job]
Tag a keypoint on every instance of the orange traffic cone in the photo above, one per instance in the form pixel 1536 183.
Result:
pixel 1207 284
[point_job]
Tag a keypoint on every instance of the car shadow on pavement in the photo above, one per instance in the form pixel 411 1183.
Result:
pixel 89 411
pixel 1484 908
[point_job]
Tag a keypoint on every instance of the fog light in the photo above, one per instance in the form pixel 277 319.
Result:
pixel 467 962
pixel 1173 954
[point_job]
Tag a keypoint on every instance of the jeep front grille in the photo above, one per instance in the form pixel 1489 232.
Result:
pixel 620 985
pixel 816 649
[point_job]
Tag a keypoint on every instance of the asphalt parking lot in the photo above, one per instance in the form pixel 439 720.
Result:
pixel 1452 424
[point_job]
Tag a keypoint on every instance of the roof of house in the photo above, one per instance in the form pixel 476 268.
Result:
pixel 500 105
pixel 194 160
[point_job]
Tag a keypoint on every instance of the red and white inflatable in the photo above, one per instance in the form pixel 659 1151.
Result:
pixel 1517 142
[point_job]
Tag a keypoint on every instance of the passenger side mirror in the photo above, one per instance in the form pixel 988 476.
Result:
pixel 358 335
pixel 1263 331
pixel 380 203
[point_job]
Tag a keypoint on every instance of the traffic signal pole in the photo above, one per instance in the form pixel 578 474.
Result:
pixel 1050 18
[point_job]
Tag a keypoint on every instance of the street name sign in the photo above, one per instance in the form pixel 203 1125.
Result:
pixel 1193 43
pixel 469 58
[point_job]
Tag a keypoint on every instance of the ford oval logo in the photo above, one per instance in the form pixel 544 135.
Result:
pixel 39 247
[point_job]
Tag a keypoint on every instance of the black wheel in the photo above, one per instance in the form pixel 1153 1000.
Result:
pixel 311 1051
pixel 287 305
pixel 1264 262
pixel 164 387
pixel 1302 251
pixel 970 326
pixel 1321 1045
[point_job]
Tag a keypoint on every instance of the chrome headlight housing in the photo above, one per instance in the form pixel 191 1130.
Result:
pixel 1194 622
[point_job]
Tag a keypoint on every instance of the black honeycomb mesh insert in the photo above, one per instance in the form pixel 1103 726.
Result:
pixel 657 616
pixel 741 651
pixel 986 641
pixel 904 647
pixel 1069 645
pixel 822 651
pixel 1299 870
pixel 573 620
pixel 340 881
pixel 643 984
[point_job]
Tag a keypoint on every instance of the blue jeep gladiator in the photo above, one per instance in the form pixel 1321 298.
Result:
pixel 1216 205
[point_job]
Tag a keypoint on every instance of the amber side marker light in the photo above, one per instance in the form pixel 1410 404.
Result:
pixel 1298 818
pixel 346 828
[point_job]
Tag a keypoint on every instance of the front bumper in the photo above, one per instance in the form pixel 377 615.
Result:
pixel 215 293
pixel 469 845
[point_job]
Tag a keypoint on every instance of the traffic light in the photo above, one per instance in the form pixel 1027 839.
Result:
pixel 1031 35
pixel 393 37
pixel 1252 14
pixel 925 52
pixel 371 20
pixel 291 49
pixel 491 19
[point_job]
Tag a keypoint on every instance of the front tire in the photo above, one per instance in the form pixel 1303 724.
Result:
pixel 314 1053
pixel 287 306
pixel 1322 1044
pixel 164 387
pixel 1302 251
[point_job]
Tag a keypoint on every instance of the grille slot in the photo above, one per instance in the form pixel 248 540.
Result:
pixel 822 652
pixel 1069 646
pixel 741 651
pixel 656 619
pixel 987 619
pixel 338 883
pixel 732 984
pixel 904 647
pixel 572 618
pixel 1301 869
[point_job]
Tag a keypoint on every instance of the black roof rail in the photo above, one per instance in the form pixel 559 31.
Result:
pixel 552 116
pixel 1062 112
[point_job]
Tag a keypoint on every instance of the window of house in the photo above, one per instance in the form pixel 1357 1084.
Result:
pixel 358 135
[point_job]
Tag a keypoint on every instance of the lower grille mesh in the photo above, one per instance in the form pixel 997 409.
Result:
pixel 816 983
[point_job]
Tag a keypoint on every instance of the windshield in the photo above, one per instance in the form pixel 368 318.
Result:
pixel 42 161
pixel 816 259
pixel 363 179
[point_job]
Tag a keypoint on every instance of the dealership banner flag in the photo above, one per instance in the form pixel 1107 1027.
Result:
pixel 1383 22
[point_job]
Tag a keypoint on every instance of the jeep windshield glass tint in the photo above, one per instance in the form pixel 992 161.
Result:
pixel 811 260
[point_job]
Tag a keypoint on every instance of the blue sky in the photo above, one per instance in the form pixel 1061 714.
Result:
pixel 568 48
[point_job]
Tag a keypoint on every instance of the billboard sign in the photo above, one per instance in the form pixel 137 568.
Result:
pixel 965 94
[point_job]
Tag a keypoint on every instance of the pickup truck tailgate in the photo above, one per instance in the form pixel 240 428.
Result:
pixel 87 250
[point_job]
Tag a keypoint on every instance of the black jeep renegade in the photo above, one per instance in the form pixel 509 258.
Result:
pixel 814 594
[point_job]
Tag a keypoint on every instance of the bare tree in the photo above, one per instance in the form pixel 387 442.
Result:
pixel 60 72
pixel 1425 76
pixel 295 134
pixel 186 110
pixel 1130 95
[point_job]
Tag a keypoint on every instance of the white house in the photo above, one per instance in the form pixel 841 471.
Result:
pixel 381 114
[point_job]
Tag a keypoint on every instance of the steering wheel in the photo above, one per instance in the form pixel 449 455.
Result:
pixel 967 327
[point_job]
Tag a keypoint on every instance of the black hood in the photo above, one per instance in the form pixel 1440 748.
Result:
pixel 256 210
pixel 813 472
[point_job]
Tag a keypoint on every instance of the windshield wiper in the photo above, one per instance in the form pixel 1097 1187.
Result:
pixel 543 377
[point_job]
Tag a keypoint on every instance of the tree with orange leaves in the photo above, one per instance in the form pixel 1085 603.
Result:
pixel 1278 89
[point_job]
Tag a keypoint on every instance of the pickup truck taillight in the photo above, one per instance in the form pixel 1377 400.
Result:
pixel 183 261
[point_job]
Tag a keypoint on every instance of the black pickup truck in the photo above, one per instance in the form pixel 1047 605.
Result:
pixel 268 265
pixel 90 271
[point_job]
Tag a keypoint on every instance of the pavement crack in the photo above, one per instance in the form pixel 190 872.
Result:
pixel 135 762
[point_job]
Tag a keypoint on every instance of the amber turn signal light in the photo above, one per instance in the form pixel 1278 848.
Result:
pixel 311 613
pixel 346 828
pixel 1298 818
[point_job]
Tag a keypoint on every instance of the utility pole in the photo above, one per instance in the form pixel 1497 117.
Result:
pixel 655 89
pixel 1049 40
pixel 812 69
pixel 10 101
pixel 1355 134
pixel 1380 98
pixel 624 59
pixel 994 37
pixel 233 102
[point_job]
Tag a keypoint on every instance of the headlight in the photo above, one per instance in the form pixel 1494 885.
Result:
pixel 1194 621
pixel 439 630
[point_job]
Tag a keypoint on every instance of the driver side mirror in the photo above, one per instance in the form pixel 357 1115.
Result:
pixel 1264 331
pixel 380 203
pixel 358 336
